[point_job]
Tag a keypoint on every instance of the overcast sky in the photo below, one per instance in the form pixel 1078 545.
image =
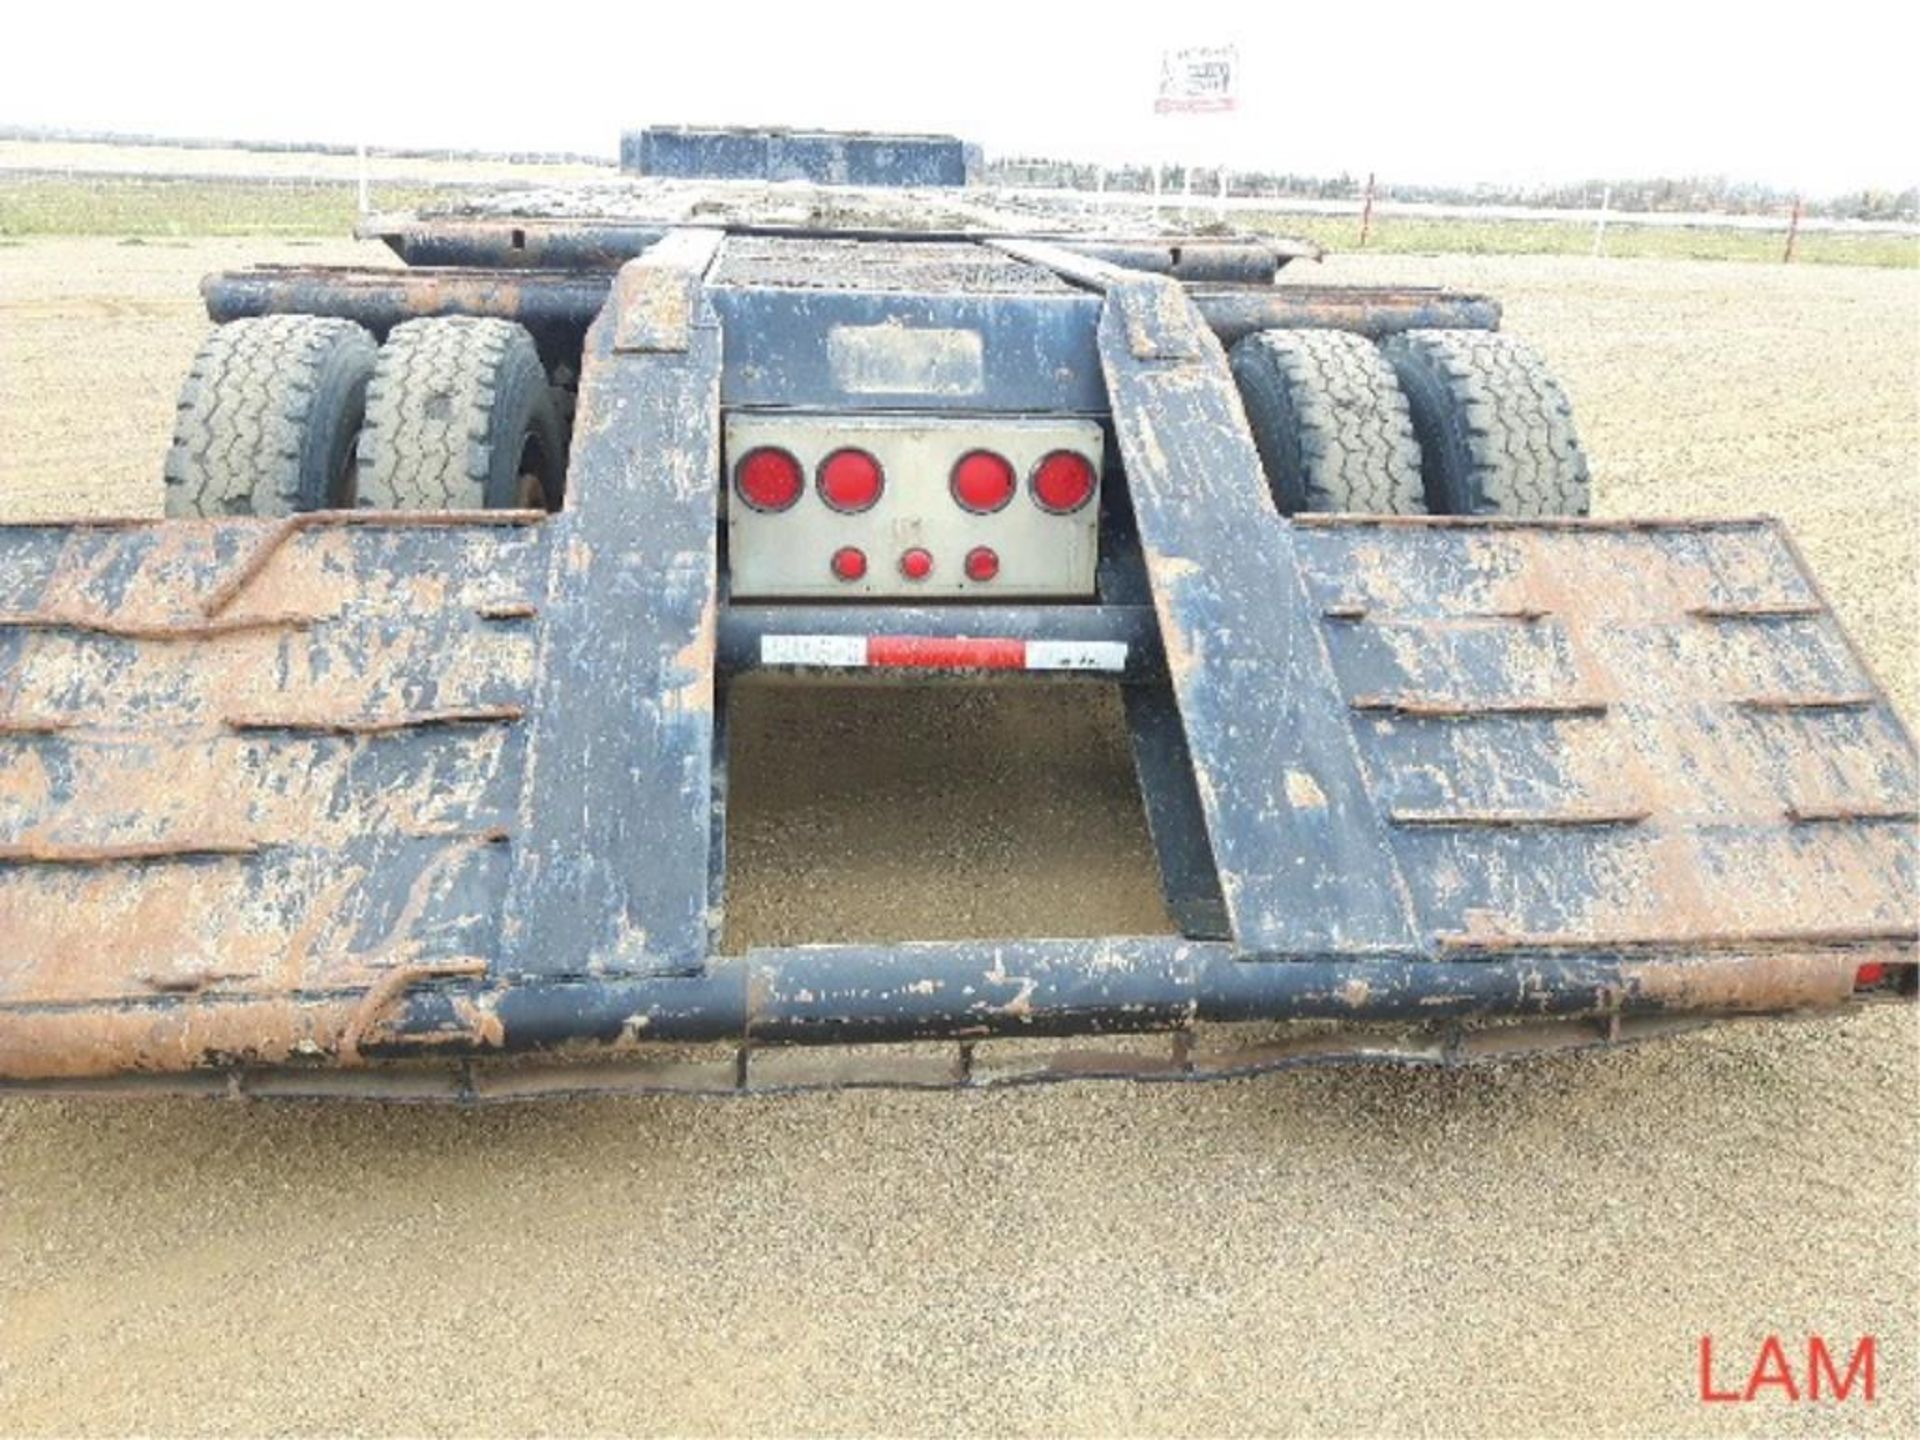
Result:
pixel 1815 97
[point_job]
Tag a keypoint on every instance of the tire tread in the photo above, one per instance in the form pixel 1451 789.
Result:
pixel 241 422
pixel 430 405
pixel 1508 445
pixel 1351 446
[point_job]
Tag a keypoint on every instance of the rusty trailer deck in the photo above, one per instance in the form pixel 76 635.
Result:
pixel 279 792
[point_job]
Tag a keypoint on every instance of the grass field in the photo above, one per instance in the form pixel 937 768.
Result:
pixel 1397 236
pixel 145 207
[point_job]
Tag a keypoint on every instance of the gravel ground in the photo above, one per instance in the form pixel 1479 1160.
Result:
pixel 1528 1250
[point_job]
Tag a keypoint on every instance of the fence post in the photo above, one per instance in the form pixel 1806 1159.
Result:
pixel 1793 232
pixel 1600 223
pixel 363 179
pixel 1366 212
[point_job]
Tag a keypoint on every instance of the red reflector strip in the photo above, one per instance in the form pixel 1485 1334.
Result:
pixel 924 652
pixel 930 652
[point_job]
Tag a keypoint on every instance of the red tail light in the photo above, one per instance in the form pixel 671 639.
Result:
pixel 916 564
pixel 849 563
pixel 769 478
pixel 982 563
pixel 1063 482
pixel 983 482
pixel 851 481
pixel 1872 973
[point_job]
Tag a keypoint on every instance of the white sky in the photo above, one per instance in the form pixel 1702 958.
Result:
pixel 1817 97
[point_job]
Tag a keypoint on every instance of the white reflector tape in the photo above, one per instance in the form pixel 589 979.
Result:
pixel 836 650
pixel 910 652
pixel 1077 655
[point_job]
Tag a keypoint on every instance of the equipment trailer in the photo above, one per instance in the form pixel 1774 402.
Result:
pixel 394 762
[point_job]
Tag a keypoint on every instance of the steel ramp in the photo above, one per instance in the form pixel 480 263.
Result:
pixel 1611 737
pixel 1458 738
pixel 258 758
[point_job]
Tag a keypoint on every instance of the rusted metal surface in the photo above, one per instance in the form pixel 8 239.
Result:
pixel 1624 698
pixel 1305 863
pixel 1373 311
pixel 969 1016
pixel 611 873
pixel 556 305
pixel 1617 761
pixel 657 296
pixel 603 227
pixel 822 157
pixel 284 801
pixel 148 842
pixel 882 267
pixel 1209 1053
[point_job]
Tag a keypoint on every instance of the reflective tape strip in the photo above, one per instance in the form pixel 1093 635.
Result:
pixel 932 652
pixel 842 651
pixel 1109 655
pixel 926 652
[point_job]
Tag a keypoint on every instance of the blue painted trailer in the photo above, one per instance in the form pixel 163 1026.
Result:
pixel 430 803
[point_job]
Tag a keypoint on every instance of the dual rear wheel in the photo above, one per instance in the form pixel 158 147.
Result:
pixel 1429 422
pixel 285 413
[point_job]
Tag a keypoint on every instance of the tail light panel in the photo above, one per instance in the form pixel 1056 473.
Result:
pixel 929 490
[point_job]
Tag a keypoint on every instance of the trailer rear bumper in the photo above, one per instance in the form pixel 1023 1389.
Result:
pixel 917 1014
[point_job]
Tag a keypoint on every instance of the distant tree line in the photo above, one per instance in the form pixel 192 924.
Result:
pixel 1688 194
pixel 1712 194
pixel 297 147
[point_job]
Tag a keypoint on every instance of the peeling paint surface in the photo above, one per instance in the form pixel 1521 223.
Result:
pixel 350 790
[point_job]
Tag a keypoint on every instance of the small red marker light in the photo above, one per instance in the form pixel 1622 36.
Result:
pixel 849 563
pixel 982 563
pixel 1869 975
pixel 769 479
pixel 851 481
pixel 916 564
pixel 983 482
pixel 1063 482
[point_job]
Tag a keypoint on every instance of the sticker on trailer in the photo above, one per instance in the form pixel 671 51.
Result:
pixel 898 360
pixel 1077 655
pixel 932 652
pixel 823 651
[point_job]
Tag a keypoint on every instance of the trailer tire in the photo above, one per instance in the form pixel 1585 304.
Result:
pixel 1330 423
pixel 1496 431
pixel 268 418
pixel 460 417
